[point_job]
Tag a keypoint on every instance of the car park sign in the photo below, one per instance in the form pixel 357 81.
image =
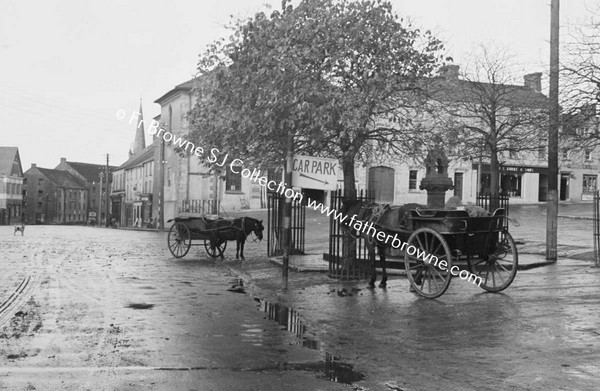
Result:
pixel 315 172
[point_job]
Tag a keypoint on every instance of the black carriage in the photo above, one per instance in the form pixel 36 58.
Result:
pixel 457 243
pixel 186 229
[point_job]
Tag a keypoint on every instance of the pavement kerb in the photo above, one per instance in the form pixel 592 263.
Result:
pixel 309 264
pixel 576 217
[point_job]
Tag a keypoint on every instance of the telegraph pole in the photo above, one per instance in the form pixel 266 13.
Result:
pixel 552 203
pixel 161 186
pixel 287 210
pixel 107 206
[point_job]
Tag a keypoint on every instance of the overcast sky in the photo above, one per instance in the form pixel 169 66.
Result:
pixel 66 67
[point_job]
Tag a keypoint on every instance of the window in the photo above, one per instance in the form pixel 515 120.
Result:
pixel 589 183
pixel 542 150
pixel 233 180
pixel 565 153
pixel 512 150
pixel 168 176
pixel 412 180
pixel 40 181
pixel 588 155
pixel 40 193
pixel 24 181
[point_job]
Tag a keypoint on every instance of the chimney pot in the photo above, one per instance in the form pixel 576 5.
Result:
pixel 33 165
pixel 449 72
pixel 533 81
pixel 63 159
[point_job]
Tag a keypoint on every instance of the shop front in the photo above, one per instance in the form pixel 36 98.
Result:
pixel 523 184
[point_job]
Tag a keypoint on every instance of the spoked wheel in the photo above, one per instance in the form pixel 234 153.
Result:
pixel 215 251
pixel 427 279
pixel 498 268
pixel 179 240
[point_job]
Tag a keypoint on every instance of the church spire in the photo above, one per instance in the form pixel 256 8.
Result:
pixel 139 144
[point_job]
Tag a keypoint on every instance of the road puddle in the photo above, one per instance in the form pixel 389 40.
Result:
pixel 331 368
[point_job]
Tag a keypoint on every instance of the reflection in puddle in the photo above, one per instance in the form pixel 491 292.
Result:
pixel 331 368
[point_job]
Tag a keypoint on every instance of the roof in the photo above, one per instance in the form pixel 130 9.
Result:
pixel 61 178
pixel 89 171
pixel 183 87
pixel 139 159
pixel 8 155
pixel 459 90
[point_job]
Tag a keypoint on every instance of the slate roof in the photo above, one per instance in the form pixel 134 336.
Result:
pixel 459 90
pixel 139 159
pixel 89 171
pixel 183 87
pixel 7 159
pixel 62 178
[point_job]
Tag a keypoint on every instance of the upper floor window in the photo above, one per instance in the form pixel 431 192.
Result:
pixel 588 155
pixel 40 181
pixel 412 180
pixel 233 180
pixel 565 153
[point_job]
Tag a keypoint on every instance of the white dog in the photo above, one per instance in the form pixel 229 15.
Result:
pixel 20 228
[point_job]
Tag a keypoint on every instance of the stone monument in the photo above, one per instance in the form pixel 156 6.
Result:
pixel 436 180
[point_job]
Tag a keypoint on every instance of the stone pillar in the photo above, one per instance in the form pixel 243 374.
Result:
pixel 436 180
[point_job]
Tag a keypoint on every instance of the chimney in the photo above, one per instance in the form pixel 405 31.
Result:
pixel 63 160
pixel 449 72
pixel 33 165
pixel 533 81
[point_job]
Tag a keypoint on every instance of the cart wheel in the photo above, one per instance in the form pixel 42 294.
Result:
pixel 427 279
pixel 498 268
pixel 216 251
pixel 179 240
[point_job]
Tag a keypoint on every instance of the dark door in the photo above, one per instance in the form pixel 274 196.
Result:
pixel 381 183
pixel 458 184
pixel 543 188
pixel 564 187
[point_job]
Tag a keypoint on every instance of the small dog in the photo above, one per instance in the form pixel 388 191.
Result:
pixel 20 228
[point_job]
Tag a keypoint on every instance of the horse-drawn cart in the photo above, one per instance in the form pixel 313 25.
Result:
pixel 479 247
pixel 186 229
pixel 213 232
pixel 437 244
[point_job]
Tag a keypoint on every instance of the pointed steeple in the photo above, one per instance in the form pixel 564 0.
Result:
pixel 139 143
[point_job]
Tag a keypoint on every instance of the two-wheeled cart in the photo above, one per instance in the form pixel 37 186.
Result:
pixel 187 229
pixel 457 245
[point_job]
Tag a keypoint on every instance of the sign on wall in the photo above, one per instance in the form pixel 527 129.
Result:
pixel 315 172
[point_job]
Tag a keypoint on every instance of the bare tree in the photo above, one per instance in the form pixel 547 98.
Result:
pixel 580 84
pixel 487 114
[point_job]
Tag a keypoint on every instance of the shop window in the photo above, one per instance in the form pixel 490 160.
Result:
pixel 511 185
pixel 412 180
pixel 233 180
pixel 589 183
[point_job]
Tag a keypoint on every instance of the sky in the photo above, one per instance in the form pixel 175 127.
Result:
pixel 67 67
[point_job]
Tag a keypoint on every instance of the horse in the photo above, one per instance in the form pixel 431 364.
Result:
pixel 236 229
pixel 384 218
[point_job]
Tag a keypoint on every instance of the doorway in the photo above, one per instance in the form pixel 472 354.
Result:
pixel 381 184
pixel 458 185
pixel 543 188
pixel 564 187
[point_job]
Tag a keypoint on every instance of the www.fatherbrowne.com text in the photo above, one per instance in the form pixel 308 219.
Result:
pixel 236 166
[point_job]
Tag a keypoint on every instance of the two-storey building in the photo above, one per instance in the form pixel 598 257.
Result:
pixel 11 184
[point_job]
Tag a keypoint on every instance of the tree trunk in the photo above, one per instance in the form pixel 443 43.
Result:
pixel 494 183
pixel 348 242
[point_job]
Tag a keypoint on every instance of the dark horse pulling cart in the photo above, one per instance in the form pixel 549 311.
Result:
pixel 478 245
pixel 214 234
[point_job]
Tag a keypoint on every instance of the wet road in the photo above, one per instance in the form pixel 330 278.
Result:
pixel 111 309
pixel 104 309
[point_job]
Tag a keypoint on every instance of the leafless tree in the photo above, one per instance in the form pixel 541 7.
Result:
pixel 487 114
